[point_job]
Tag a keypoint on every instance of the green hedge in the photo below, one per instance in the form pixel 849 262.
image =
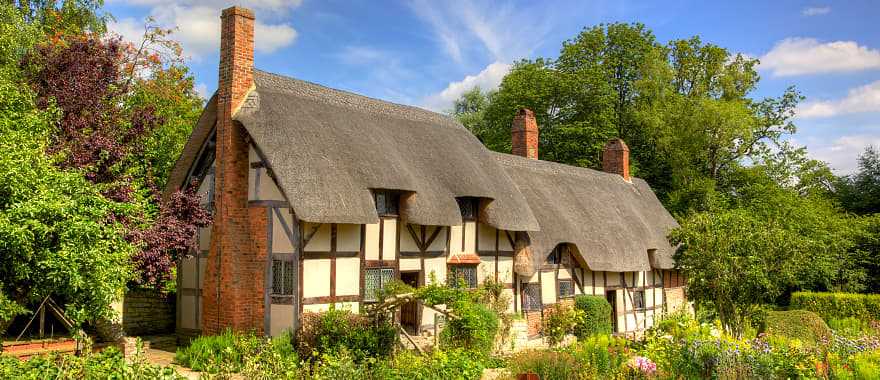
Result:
pixel 829 306
pixel 803 325
pixel 596 318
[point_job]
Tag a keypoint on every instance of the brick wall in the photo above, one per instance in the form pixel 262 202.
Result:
pixel 675 298
pixel 233 286
pixel 524 134
pixel 148 312
pixel 615 158
pixel 533 319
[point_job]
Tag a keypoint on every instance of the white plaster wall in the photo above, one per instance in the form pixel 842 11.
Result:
pixel 187 273
pixel 455 236
pixel 548 288
pixel 410 264
pixel 188 317
pixel 348 272
pixel 371 242
pixel 407 244
pixel 470 237
pixel 315 308
pixel 281 318
pixel 505 269
pixel 280 241
pixel 320 241
pixel 389 239
pixel 316 278
pixel 504 241
pixel 486 269
pixel 439 243
pixel 487 237
pixel 348 237
pixel 436 265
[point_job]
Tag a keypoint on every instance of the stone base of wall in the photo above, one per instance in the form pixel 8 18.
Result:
pixel 148 312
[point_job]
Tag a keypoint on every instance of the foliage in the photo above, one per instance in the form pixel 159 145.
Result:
pixel 333 330
pixel 860 192
pixel 216 353
pixel 865 307
pixel 474 328
pixel 559 321
pixel 107 364
pixel 803 325
pixel 58 235
pixel 595 317
pixel 547 364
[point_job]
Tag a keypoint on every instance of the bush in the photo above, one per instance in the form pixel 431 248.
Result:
pixel 107 364
pixel 853 327
pixel 231 353
pixel 332 330
pixel 601 356
pixel 474 328
pixel 865 307
pixel 595 316
pixel 559 320
pixel 547 364
pixel 803 325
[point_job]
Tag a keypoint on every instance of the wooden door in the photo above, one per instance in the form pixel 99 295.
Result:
pixel 409 312
pixel 611 296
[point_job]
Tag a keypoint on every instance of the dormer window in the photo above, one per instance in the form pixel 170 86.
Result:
pixel 468 207
pixel 387 202
pixel 555 257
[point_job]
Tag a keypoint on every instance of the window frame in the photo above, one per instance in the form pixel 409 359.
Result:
pixel 284 265
pixel 528 306
pixel 387 195
pixel 570 283
pixel 457 267
pixel 555 256
pixel 469 208
pixel 639 294
pixel 382 270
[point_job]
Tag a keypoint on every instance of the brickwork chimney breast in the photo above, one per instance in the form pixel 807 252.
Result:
pixel 524 134
pixel 615 158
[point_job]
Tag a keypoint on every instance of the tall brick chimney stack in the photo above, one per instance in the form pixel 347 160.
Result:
pixel 615 158
pixel 524 134
pixel 232 290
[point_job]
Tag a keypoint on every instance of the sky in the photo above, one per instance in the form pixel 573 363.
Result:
pixel 427 53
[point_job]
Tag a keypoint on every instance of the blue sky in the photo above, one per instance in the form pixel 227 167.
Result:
pixel 426 53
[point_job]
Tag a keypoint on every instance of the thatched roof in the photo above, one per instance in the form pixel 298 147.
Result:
pixel 612 223
pixel 328 149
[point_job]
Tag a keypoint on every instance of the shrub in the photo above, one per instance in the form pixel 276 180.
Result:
pixel 547 364
pixel 332 330
pixel 601 356
pixel 595 317
pixel 559 320
pixel 803 325
pixel 231 353
pixel 440 364
pixel 865 307
pixel 107 364
pixel 474 328
pixel 853 327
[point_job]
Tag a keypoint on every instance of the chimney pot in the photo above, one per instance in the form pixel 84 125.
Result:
pixel 524 134
pixel 615 158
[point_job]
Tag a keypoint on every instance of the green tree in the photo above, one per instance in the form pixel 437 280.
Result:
pixel 860 192
pixel 57 231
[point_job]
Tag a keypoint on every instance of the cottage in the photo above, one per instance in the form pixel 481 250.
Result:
pixel 321 197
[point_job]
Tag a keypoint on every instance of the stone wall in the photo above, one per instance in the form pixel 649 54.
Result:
pixel 147 312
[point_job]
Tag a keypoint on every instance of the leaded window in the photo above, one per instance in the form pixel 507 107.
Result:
pixel 374 280
pixel 282 277
pixel 638 299
pixel 386 202
pixel 566 288
pixel 531 297
pixel 465 275
pixel 468 207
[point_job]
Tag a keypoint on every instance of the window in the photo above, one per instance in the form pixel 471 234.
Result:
pixel 639 299
pixel 555 257
pixel 531 297
pixel 566 288
pixel 468 207
pixel 462 273
pixel 374 280
pixel 386 202
pixel 282 277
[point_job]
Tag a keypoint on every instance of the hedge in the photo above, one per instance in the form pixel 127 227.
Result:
pixel 803 325
pixel 596 317
pixel 865 307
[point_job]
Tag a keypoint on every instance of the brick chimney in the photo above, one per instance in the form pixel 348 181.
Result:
pixel 233 288
pixel 615 158
pixel 524 134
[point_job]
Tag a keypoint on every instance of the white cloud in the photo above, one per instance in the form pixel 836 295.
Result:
pixel 197 24
pixel 860 99
pixel 816 11
pixel 799 56
pixel 496 30
pixel 487 79
pixel 842 154
pixel 202 90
